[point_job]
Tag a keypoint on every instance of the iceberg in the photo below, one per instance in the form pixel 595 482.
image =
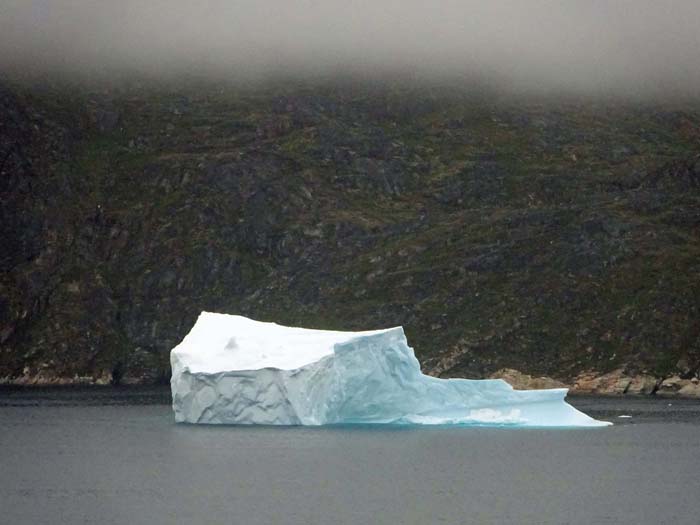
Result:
pixel 233 370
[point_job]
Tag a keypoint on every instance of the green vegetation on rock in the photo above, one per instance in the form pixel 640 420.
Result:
pixel 550 236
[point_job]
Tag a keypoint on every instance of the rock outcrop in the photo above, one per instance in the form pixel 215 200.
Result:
pixel 677 387
pixel 521 381
pixel 615 383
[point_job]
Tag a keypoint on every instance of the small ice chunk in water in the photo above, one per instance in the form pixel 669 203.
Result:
pixel 233 370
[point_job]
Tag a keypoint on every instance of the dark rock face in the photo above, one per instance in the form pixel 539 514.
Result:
pixel 680 175
pixel 556 239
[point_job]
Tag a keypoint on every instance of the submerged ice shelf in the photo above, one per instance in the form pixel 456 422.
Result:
pixel 233 370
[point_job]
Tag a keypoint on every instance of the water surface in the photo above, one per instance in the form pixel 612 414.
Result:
pixel 115 456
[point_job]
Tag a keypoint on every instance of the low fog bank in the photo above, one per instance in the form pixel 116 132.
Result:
pixel 624 48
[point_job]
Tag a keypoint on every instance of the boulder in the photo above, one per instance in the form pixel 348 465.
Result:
pixel 521 381
pixel 642 385
pixel 615 382
pixel 674 386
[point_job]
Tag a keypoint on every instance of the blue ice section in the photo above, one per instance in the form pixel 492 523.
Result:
pixel 370 379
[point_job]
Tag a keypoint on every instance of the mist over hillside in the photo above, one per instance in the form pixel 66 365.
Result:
pixel 625 48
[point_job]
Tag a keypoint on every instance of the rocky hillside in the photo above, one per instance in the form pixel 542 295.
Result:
pixel 556 237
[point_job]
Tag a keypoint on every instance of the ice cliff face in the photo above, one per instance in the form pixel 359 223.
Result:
pixel 233 370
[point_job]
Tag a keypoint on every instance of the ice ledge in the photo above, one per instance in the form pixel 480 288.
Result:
pixel 276 375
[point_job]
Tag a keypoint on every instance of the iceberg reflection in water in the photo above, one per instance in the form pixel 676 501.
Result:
pixel 233 370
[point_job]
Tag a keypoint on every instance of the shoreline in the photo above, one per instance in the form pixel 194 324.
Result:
pixel 614 384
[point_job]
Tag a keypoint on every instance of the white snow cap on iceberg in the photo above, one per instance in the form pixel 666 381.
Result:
pixel 233 370
pixel 221 342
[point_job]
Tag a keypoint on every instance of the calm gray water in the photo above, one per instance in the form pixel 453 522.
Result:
pixel 115 456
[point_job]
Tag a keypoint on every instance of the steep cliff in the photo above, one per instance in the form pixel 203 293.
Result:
pixel 549 236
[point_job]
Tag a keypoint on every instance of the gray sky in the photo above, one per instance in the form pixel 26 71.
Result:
pixel 582 45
